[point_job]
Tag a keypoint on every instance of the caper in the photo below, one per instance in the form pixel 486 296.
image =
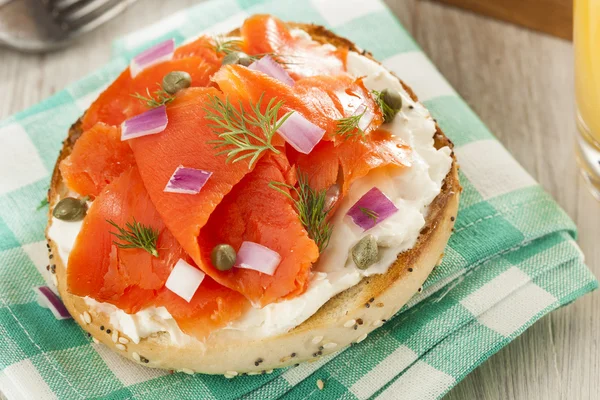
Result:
pixel 237 57
pixel 70 209
pixel 223 257
pixel 393 102
pixel 175 81
pixel 365 252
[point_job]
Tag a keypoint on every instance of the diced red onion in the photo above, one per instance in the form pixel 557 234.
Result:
pixel 371 209
pixel 258 258
pixel 151 122
pixel 184 280
pixel 367 117
pixel 187 180
pixel 152 56
pixel 300 133
pixel 272 68
pixel 48 299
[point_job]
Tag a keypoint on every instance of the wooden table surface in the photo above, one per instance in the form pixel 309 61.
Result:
pixel 521 85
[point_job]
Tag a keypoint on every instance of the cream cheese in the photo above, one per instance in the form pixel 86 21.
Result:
pixel 411 189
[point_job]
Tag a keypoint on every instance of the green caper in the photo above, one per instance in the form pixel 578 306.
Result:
pixel 237 57
pixel 70 209
pixel 175 81
pixel 365 252
pixel 223 257
pixel 392 103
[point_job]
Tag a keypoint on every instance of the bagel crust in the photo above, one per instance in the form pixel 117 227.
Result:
pixel 346 318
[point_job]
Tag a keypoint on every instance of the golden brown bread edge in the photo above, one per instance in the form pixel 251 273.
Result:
pixel 346 318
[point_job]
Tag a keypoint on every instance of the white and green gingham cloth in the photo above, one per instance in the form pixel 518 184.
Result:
pixel 511 259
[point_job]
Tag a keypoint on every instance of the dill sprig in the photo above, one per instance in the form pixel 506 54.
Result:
pixel 311 208
pixel 387 111
pixel 225 46
pixel 136 236
pixel 349 127
pixel 42 204
pixel 235 128
pixel 371 214
pixel 160 97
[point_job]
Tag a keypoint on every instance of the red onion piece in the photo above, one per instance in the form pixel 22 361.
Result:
pixel 367 117
pixel 187 180
pixel 151 122
pixel 154 55
pixel 258 258
pixel 371 209
pixel 300 133
pixel 272 68
pixel 48 299
pixel 185 279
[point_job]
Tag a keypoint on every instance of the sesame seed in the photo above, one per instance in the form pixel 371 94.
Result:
pixel 144 360
pixel 123 340
pixel 384 320
pixel 320 384
pixel 420 289
pixel 254 373
pixel 270 371
pixel 263 372
pixel 232 373
pixel 377 323
pixel 115 336
pixel 361 338
pixel 95 340
pixel 51 256
pixel 48 245
pixel 121 346
pixel 315 355
pixel 355 327
pixel 101 327
pixel 135 356
pixel 295 365
pixel 372 299
pixel 187 371
pixel 379 305
pixel 321 347
pixel 87 317
pixel 330 345
pixel 452 218
pixel 317 339
pixel 410 270
pixel 227 376
pixel 293 355
pixel 108 331
pixel 411 106
pixel 368 305
pixel 47 268
pixel 319 353
pixel 349 323
pixel 359 321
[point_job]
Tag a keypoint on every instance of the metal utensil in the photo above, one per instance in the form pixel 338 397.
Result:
pixel 44 25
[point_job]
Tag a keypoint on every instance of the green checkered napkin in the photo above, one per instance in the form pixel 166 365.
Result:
pixel 511 259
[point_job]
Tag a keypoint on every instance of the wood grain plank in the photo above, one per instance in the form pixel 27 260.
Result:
pixel 550 16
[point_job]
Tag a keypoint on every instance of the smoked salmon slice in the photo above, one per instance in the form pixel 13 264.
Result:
pixel 255 212
pixel 98 157
pixel 301 57
pixel 186 141
pixel 133 279
pixel 323 100
pixel 117 103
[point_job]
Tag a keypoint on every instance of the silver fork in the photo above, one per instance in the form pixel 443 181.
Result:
pixel 44 25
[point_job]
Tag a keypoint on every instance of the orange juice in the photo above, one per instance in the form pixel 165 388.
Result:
pixel 586 39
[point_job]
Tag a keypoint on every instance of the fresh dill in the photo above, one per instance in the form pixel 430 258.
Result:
pixel 160 97
pixel 388 112
pixel 225 46
pixel 311 207
pixel 136 236
pixel 349 127
pixel 237 129
pixel 371 214
pixel 42 204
